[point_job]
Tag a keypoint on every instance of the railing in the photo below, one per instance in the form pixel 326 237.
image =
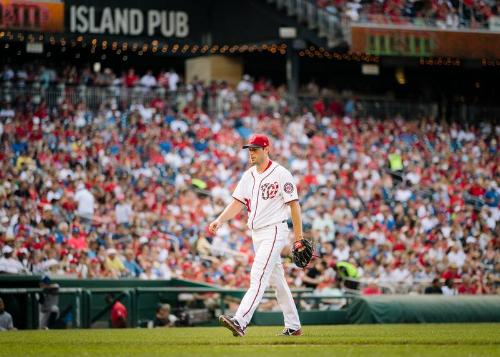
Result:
pixel 95 97
pixel 336 27
pixel 326 23
pixel 383 108
pixel 401 21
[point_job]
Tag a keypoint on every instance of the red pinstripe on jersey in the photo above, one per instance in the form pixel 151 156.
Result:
pixel 258 191
pixel 263 271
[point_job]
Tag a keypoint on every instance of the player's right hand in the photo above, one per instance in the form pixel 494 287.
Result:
pixel 214 226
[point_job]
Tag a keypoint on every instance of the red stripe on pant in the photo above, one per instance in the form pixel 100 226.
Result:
pixel 263 271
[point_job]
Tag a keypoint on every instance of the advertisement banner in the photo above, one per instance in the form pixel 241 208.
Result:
pixel 173 19
pixel 392 41
pixel 27 15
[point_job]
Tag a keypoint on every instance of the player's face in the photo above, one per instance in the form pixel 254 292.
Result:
pixel 257 155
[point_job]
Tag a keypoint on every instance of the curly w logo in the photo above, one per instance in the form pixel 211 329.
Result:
pixel 269 190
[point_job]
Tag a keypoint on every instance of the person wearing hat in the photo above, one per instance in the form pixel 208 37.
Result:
pixel 268 192
pixel 113 263
pixel 8 264
pixel 49 303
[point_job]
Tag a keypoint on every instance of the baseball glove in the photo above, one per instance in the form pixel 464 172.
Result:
pixel 302 252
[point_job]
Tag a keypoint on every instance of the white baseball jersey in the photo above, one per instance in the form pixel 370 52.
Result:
pixel 266 194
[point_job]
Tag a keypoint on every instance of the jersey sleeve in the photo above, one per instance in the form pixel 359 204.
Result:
pixel 239 191
pixel 288 187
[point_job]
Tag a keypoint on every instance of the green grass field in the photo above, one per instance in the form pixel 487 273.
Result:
pixel 450 340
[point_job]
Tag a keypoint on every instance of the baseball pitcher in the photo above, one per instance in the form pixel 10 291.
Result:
pixel 266 189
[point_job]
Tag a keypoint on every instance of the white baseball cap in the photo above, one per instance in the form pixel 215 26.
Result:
pixel 7 249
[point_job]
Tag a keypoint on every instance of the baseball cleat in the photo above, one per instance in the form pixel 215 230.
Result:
pixel 291 332
pixel 232 325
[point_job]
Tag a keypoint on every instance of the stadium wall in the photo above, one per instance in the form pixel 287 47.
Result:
pixel 424 309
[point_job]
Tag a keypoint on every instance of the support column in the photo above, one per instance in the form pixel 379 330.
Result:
pixel 292 70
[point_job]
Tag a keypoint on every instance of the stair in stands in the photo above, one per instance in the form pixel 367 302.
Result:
pixel 328 28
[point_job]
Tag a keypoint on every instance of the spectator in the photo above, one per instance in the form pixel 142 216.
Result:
pixel 148 81
pixel 5 319
pixel 324 226
pixel 119 314
pixel 435 288
pixel 163 317
pixel 314 275
pixel 8 264
pixel 132 268
pixel 85 200
pixel 113 264
pixel 347 274
pixel 131 78
pixel 245 85
pixel 449 288
pixel 148 272
pixel 371 289
pixel 341 252
pixel 456 256
pixel 173 80
pixel 124 212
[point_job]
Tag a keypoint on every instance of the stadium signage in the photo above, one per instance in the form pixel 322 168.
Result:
pixel 32 16
pixel 424 42
pixel 128 21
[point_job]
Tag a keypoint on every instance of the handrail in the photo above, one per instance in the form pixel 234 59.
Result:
pixel 38 290
pixel 401 21
pixel 333 24
pixel 95 97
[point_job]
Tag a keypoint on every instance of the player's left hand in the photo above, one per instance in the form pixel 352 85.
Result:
pixel 302 252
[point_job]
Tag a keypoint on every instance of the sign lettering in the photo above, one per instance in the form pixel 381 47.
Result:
pixel 123 21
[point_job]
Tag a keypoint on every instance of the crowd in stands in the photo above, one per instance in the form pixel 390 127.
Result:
pixel 71 74
pixel 128 191
pixel 444 14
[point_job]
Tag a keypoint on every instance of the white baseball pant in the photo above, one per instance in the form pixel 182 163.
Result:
pixel 267 269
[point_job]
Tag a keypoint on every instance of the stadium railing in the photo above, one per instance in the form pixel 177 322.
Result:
pixel 407 21
pixel 96 97
pixel 327 24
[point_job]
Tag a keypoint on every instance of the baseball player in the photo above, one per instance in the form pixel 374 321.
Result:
pixel 266 190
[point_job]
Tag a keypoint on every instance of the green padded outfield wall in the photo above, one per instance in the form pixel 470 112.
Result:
pixel 423 309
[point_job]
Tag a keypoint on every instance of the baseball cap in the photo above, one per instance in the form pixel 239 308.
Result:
pixel 7 249
pixel 46 280
pixel 257 141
